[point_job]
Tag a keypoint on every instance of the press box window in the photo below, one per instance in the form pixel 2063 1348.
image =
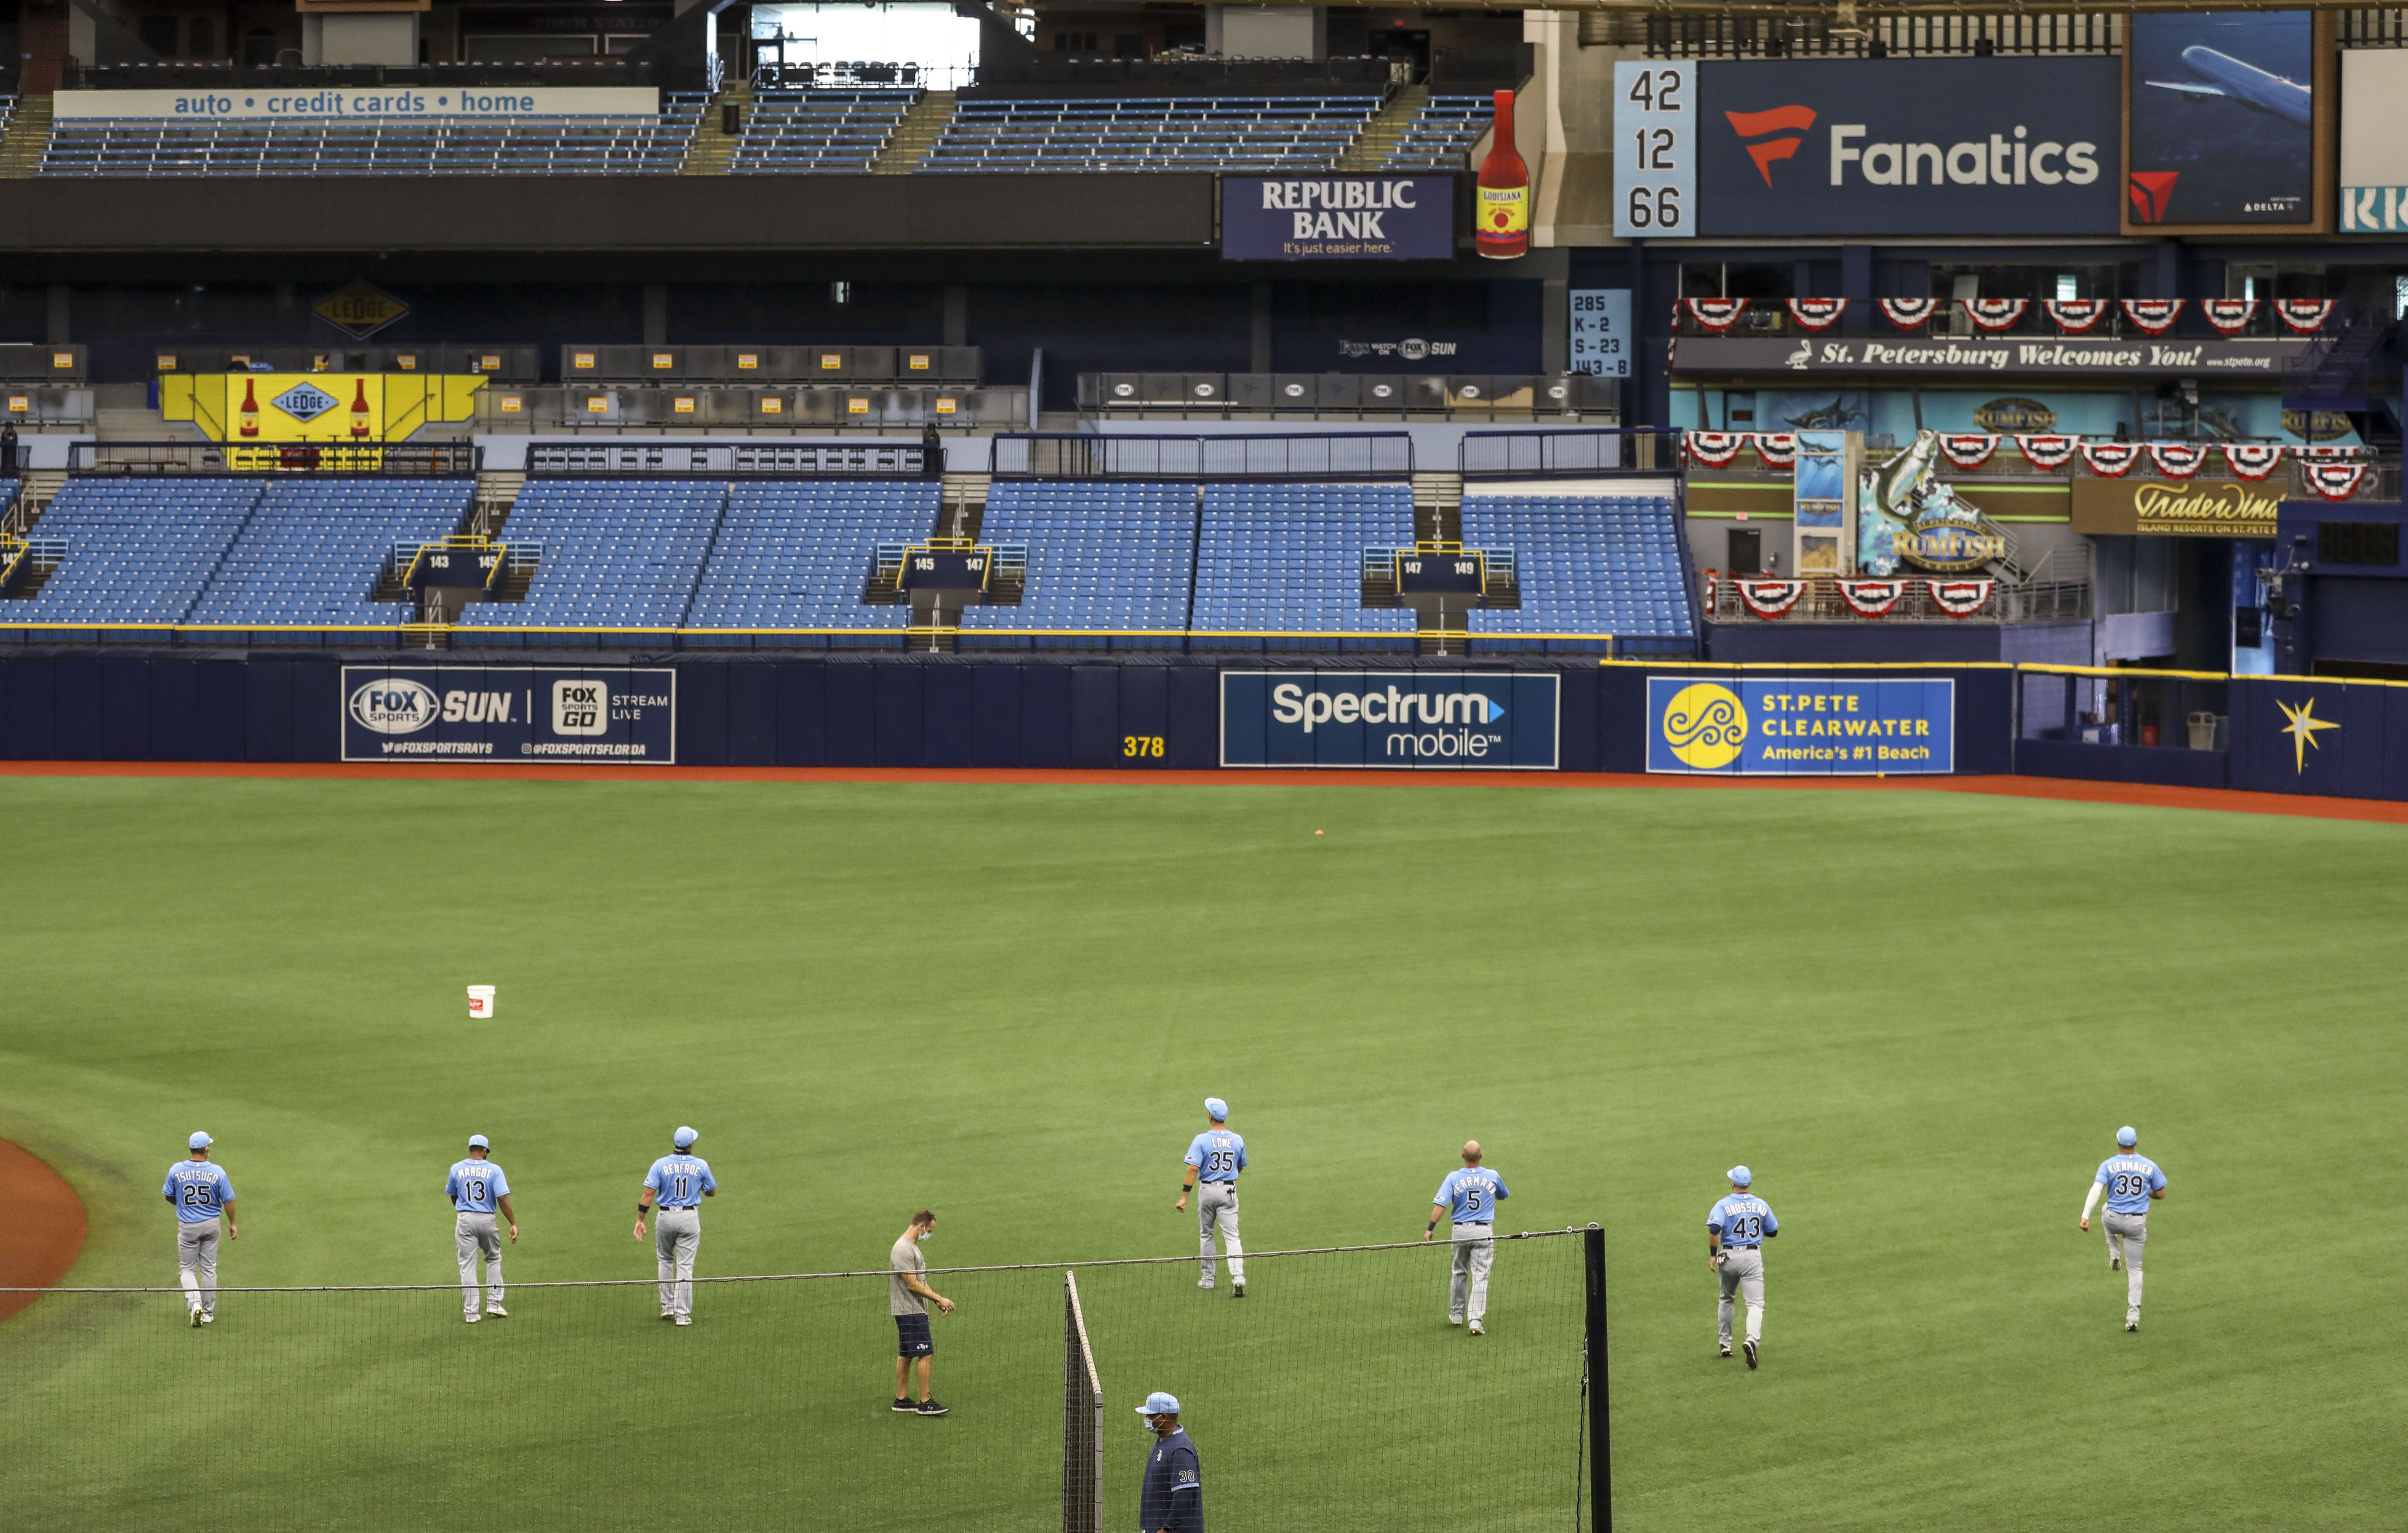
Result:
pixel 2358 543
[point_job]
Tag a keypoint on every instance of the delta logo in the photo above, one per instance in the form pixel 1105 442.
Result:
pixel 2152 193
pixel 2000 159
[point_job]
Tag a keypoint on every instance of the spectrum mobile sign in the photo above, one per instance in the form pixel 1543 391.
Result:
pixel 509 714
pixel 1488 721
pixel 1800 726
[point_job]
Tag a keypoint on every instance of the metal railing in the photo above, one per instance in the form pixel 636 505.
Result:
pixel 400 460
pixel 2038 601
pixel 766 457
pixel 1368 454
pixel 1884 37
pixel 1538 455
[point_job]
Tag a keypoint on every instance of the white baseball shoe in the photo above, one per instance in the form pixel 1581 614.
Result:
pixel 196 1317
pixel 685 1320
pixel 1476 1330
pixel 497 1310
pixel 208 1318
pixel 473 1319
pixel 2114 1264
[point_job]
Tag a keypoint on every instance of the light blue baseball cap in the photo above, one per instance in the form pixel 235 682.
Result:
pixel 2128 1136
pixel 479 1142
pixel 683 1138
pixel 1217 1108
pixel 1741 1176
pixel 200 1141
pixel 1159 1404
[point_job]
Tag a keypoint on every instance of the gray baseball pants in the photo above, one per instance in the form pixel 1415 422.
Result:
pixel 1475 1251
pixel 675 1237
pixel 1216 1203
pixel 477 1234
pixel 2127 1235
pixel 196 1264
pixel 1742 1275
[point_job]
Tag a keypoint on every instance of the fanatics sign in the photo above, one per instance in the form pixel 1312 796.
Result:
pixel 1338 217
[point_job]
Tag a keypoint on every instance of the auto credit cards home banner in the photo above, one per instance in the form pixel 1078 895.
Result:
pixel 474 104
pixel 1800 726
pixel 1482 721
pixel 509 714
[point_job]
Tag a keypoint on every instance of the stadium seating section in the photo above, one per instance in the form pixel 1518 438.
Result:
pixel 1589 565
pixel 1289 557
pixel 1160 133
pixel 822 132
pixel 1442 134
pixel 1113 556
pixel 796 553
pixel 1118 563
pixel 530 146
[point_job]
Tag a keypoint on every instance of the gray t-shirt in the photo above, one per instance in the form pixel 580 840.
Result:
pixel 904 1258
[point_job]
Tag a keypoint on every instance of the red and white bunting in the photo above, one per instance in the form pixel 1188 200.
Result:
pixel 1715 448
pixel 2047 451
pixel 2229 316
pixel 1961 598
pixel 2153 316
pixel 2253 460
pixel 1870 598
pixel 1713 583
pixel 2334 480
pixel 2178 460
pixel 2111 459
pixel 2076 316
pixel 2328 451
pixel 1906 313
pixel 1777 449
pixel 1716 314
pixel 1769 599
pixel 1817 313
pixel 1968 450
pixel 2303 315
pixel 1996 313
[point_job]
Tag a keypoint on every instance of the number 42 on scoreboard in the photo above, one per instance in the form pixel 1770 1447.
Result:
pixel 1655 150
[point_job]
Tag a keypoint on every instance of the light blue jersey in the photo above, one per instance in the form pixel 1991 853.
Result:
pixel 1471 1195
pixel 475 1185
pixel 1742 1219
pixel 199 1190
pixel 2129 1178
pixel 1217 1155
pixel 679 1182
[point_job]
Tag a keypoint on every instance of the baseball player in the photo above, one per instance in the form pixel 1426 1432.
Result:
pixel 476 1187
pixel 1214 1158
pixel 1468 1199
pixel 199 1191
pixel 678 1184
pixel 1736 1230
pixel 1171 1498
pixel 2131 1181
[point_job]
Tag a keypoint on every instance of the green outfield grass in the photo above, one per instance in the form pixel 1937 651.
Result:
pixel 1918 1015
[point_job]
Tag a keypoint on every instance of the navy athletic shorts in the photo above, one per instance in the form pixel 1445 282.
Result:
pixel 912 1337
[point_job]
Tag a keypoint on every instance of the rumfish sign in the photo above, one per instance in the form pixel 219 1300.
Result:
pixel 1486 721
pixel 1908 146
pixel 1800 726
pixel 1338 217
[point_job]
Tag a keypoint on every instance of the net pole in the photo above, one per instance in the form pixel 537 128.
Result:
pixel 1082 1420
pixel 1600 1488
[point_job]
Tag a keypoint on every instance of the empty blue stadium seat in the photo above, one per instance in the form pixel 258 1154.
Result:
pixel 617 553
pixel 1588 563
pixel 1442 134
pixel 1112 557
pixel 1287 559
pixel 138 551
pixel 833 132
pixel 314 549
pixel 1151 133
pixel 796 553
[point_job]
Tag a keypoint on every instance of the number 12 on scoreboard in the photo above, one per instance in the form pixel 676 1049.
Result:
pixel 1655 150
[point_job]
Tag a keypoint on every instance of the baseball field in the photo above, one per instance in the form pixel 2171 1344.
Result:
pixel 1919 1016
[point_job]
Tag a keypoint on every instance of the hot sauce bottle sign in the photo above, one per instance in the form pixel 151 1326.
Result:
pixel 246 420
pixel 1504 204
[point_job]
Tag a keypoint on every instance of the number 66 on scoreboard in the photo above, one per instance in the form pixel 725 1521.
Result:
pixel 1655 150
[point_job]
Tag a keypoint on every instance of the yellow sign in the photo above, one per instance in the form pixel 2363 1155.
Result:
pixel 2302 730
pixel 2185 509
pixel 321 408
pixel 664 361
pixel 19 403
pixel 682 405
pixel 918 362
pixel 597 403
pixel 856 407
pixel 360 311
pixel 945 406
pixel 747 361
pixel 772 405
pixel 1705 726
pixel 831 362
pixel 581 361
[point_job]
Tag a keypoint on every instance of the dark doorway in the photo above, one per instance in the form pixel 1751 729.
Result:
pixel 1746 550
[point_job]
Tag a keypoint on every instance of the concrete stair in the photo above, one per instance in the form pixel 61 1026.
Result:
pixel 714 148
pixel 28 134
pixel 919 131
pixel 1371 147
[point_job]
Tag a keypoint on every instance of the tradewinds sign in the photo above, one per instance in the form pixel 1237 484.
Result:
pixel 1800 726
pixel 1491 720
pixel 2176 509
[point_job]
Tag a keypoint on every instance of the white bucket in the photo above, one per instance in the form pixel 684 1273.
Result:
pixel 481 1000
